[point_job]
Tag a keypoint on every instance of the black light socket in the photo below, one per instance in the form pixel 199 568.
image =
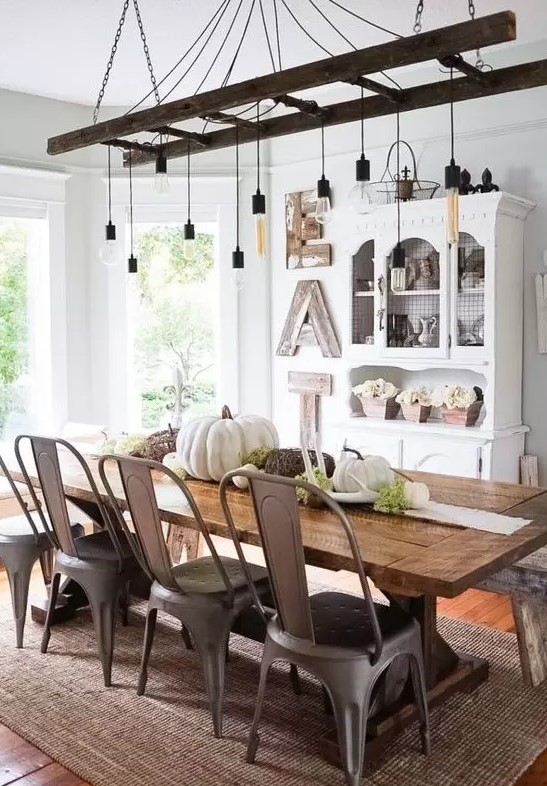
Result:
pixel 110 231
pixel 323 188
pixel 189 231
pixel 452 175
pixel 362 169
pixel 237 259
pixel 398 256
pixel 132 264
pixel 161 164
pixel 259 203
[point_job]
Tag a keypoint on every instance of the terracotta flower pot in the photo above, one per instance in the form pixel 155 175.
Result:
pixel 386 408
pixel 461 416
pixel 416 412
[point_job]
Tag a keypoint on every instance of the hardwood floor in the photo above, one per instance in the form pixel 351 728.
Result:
pixel 21 764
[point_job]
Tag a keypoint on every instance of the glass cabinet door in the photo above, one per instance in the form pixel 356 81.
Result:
pixel 362 322
pixel 470 299
pixel 415 318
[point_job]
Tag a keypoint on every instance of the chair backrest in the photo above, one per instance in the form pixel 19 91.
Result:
pixel 148 540
pixel 22 504
pixel 48 468
pixel 278 521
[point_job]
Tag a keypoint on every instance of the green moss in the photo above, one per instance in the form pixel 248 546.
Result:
pixel 392 498
pixel 257 457
pixel 321 480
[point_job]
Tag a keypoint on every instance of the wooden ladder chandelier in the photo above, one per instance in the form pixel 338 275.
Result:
pixel 443 44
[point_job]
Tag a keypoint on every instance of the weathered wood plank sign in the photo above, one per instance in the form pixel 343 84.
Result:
pixel 304 233
pixel 309 386
pixel 308 322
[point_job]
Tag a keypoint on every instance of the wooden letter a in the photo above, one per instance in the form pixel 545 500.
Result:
pixel 308 322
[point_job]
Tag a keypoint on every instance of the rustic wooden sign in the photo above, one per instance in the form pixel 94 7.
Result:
pixel 308 322
pixel 303 232
pixel 309 386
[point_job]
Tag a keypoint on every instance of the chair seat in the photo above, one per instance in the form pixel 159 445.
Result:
pixel 99 546
pixel 200 576
pixel 342 620
pixel 17 529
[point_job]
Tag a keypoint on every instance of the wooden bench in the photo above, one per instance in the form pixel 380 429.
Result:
pixel 526 583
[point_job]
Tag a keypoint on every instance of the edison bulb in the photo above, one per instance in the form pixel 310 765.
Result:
pixel 237 279
pixel 161 183
pixel 323 212
pixel 452 215
pixel 260 235
pixel 398 279
pixel 109 253
pixel 189 249
pixel 360 197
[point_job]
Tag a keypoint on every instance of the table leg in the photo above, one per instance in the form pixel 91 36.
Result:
pixel 447 672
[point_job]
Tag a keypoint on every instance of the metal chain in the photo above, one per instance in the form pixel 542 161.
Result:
pixel 146 51
pixel 418 18
pixel 110 63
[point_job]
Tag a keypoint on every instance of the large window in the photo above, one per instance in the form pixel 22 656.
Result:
pixel 173 326
pixel 23 250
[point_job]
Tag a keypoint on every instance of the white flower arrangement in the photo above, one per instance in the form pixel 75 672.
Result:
pixel 420 395
pixel 375 388
pixel 454 397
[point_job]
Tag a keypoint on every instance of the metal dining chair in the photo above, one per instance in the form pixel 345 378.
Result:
pixel 102 563
pixel 347 642
pixel 206 594
pixel 24 539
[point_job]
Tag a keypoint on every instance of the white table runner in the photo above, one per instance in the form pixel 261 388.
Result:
pixel 469 517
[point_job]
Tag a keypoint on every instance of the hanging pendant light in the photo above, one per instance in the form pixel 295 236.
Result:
pixel 132 261
pixel 452 181
pixel 189 228
pixel 259 199
pixel 398 270
pixel 323 212
pixel 109 253
pixel 161 182
pixel 238 260
pixel 360 197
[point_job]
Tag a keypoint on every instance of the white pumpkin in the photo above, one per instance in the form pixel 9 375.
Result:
pixel 208 447
pixel 353 474
pixel 242 482
pixel 171 461
pixel 417 494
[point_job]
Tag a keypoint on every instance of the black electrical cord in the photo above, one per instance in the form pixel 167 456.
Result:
pixel 222 7
pixel 366 21
pixel 109 190
pixel 131 201
pixel 265 26
pixel 237 186
pixel 188 178
pixel 277 33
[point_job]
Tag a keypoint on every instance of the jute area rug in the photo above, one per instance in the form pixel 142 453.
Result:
pixel 111 737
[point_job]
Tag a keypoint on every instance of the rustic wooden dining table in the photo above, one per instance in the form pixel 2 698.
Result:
pixel 412 561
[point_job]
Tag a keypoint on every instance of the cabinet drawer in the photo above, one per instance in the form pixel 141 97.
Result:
pixel 442 456
pixel 376 445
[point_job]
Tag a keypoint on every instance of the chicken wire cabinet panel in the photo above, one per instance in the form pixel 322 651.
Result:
pixel 458 320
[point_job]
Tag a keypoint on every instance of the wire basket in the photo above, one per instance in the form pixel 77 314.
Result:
pixel 392 187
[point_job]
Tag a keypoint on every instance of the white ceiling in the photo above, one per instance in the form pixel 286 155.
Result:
pixel 59 48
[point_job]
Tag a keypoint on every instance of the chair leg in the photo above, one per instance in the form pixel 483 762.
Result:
pixel 124 604
pixel 18 564
pixel 417 672
pixel 350 713
pixel 187 639
pixel 211 646
pixel 149 631
pixel 295 680
pixel 53 592
pixel 47 557
pixel 103 594
pixel 254 739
